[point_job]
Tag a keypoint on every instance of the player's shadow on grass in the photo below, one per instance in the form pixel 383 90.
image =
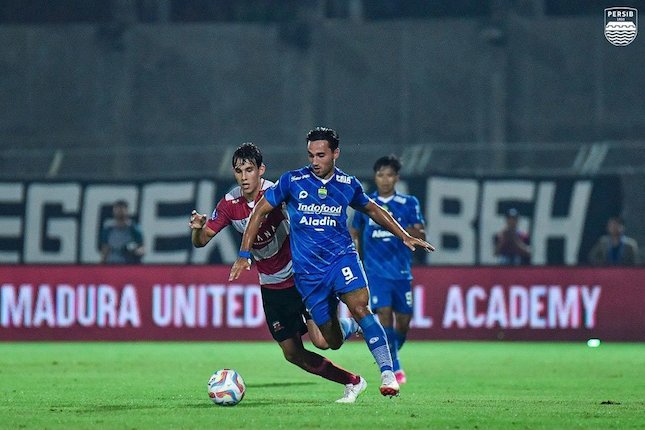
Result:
pixel 279 384
pixel 250 403
pixel 112 408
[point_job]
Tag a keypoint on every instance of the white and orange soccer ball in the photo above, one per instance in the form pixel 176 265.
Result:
pixel 226 387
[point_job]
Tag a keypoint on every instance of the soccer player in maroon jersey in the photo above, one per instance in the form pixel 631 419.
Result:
pixel 285 313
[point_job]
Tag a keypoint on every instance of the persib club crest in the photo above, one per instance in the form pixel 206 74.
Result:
pixel 621 25
pixel 322 193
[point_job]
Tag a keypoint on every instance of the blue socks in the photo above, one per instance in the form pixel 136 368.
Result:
pixel 348 326
pixel 376 341
pixel 392 340
pixel 400 339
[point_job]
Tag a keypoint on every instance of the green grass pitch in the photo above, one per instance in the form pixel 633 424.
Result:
pixel 452 385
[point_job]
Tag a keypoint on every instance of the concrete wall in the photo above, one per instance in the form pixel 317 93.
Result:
pixel 151 101
pixel 392 83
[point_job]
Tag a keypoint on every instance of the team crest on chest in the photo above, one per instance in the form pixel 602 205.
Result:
pixel 322 193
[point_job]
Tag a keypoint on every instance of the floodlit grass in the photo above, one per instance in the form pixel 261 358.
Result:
pixel 452 385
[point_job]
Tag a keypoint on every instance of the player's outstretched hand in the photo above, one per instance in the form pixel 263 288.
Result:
pixel 239 265
pixel 413 242
pixel 197 220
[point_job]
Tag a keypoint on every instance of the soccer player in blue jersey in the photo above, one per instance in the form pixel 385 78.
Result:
pixel 387 261
pixel 325 261
pixel 285 313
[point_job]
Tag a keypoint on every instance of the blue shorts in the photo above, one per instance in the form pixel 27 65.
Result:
pixel 320 292
pixel 394 293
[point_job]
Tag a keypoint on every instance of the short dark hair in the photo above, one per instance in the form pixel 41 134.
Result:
pixel 388 161
pixel 247 151
pixel 618 219
pixel 324 133
pixel 121 203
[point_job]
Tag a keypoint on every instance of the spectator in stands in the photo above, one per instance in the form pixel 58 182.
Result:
pixel 614 248
pixel 121 238
pixel 512 245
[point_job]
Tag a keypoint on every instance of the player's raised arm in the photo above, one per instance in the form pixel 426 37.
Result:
pixel 261 210
pixel 383 218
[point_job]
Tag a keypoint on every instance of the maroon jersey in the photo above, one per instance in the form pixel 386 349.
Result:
pixel 271 249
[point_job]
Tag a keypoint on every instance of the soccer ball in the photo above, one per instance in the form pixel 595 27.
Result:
pixel 226 387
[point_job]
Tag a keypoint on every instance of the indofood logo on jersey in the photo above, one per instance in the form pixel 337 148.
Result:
pixel 320 209
pixel 621 25
pixel 314 209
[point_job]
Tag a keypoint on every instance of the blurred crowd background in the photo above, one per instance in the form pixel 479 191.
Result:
pixel 130 90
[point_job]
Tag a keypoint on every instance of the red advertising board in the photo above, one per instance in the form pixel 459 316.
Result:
pixel 532 303
pixel 42 302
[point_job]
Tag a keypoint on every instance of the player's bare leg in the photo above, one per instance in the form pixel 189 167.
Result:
pixel 316 336
pixel 319 340
pixel 357 302
pixel 332 333
pixel 385 316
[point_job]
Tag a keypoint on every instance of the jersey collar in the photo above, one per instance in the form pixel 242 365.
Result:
pixel 375 196
pixel 386 199
pixel 324 181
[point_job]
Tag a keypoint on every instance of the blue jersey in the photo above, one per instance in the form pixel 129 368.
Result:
pixel 318 216
pixel 384 254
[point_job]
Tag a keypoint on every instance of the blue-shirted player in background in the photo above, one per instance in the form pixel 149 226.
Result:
pixel 387 260
pixel 325 260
